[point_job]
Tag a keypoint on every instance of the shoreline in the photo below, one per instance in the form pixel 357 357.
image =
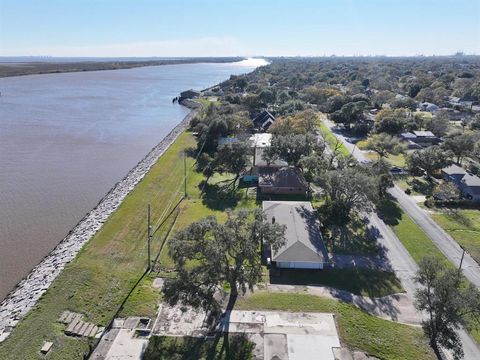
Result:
pixel 14 69
pixel 25 295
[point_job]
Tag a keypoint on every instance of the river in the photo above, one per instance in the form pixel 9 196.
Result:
pixel 66 139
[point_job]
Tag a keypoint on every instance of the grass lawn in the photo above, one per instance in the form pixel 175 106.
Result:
pixel 188 348
pixel 394 160
pixel 111 264
pixel 417 185
pixel 417 243
pixel 463 225
pixel 331 139
pixel 357 329
pixel 358 281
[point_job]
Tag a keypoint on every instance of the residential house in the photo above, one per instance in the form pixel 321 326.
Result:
pixel 417 139
pixel 284 181
pixel 468 184
pixel 304 248
pixel 263 121
pixel 453 173
pixel 470 187
pixel 426 106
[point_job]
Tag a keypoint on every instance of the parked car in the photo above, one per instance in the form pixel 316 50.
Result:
pixel 395 170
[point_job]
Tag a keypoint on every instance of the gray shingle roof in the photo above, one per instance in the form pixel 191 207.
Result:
pixel 284 177
pixel 471 180
pixel 454 170
pixel 303 238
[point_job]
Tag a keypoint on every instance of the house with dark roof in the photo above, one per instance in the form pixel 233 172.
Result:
pixel 420 139
pixel 304 248
pixel 470 187
pixel 283 181
pixel 263 121
pixel 468 184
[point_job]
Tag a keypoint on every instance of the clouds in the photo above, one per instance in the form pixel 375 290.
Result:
pixel 204 46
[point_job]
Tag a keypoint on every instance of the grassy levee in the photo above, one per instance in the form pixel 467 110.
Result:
pixel 98 280
pixel 357 329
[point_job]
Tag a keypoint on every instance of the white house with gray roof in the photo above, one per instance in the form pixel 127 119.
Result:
pixel 304 248
pixel 468 184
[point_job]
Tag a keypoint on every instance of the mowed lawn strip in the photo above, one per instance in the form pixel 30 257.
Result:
pixel 105 270
pixel 357 329
pixel 464 226
pixel 331 139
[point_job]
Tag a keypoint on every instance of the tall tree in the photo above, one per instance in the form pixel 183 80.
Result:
pixel 208 254
pixel 460 145
pixel 427 160
pixel 447 303
pixel 231 158
pixel 384 144
pixel 292 148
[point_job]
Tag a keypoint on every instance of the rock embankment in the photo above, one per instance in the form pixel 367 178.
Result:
pixel 26 294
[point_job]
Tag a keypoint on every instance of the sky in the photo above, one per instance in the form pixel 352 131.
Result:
pixel 178 28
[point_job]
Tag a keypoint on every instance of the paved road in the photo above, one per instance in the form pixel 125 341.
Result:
pixel 400 259
pixel 445 243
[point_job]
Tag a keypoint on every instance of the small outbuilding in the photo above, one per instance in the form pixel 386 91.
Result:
pixel 304 248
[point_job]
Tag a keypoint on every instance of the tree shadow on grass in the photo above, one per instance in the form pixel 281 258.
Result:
pixel 355 238
pixel 459 217
pixel 389 211
pixel 423 187
pixel 217 198
pixel 192 348
pixel 366 282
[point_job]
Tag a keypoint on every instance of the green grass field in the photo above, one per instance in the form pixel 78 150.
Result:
pixel 464 226
pixel 331 139
pixel 417 243
pixel 108 267
pixel 357 329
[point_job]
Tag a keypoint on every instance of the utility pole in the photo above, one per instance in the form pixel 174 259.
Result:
pixel 149 236
pixel 461 260
pixel 185 172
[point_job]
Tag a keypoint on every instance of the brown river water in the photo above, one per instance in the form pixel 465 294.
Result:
pixel 66 139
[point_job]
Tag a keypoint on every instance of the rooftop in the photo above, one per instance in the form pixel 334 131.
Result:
pixel 303 238
pixel 471 180
pixel 454 169
pixel 261 139
pixel 424 133
pixel 284 177
pixel 260 162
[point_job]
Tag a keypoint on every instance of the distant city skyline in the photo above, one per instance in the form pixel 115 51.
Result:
pixel 181 28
